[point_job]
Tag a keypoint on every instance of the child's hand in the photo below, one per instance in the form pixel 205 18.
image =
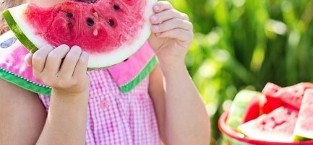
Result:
pixel 172 33
pixel 62 68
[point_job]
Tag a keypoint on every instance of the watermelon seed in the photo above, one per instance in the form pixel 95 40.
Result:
pixel 95 32
pixel 87 1
pixel 116 7
pixel 288 112
pixel 95 14
pixel 69 15
pixel 111 22
pixel 90 22
pixel 263 123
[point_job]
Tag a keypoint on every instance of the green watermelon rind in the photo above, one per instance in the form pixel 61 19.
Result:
pixel 238 107
pixel 300 138
pixel 301 135
pixel 18 32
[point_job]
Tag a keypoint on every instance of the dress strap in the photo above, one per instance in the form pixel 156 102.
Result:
pixel 136 68
pixel 13 68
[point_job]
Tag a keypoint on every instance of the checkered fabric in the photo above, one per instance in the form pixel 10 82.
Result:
pixel 116 118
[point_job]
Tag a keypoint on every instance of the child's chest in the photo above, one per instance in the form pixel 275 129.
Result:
pixel 102 84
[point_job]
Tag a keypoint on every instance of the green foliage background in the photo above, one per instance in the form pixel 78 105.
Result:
pixel 245 44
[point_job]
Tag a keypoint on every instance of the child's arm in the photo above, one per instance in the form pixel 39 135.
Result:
pixel 22 115
pixel 181 114
pixel 67 115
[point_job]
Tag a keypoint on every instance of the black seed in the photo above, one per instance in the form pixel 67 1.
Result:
pixel 116 7
pixel 7 43
pixel 69 15
pixel 125 60
pixel 87 1
pixel 90 22
pixel 288 112
pixel 111 22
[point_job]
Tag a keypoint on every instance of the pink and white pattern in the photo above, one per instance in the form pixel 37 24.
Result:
pixel 117 118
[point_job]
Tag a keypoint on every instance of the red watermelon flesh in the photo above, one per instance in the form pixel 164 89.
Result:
pixel 272 101
pixel 276 126
pixel 109 30
pixel 106 22
pixel 254 108
pixel 245 107
pixel 289 96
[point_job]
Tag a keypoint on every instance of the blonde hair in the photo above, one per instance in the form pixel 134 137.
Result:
pixel 5 4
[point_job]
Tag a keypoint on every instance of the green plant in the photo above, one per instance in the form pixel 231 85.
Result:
pixel 245 44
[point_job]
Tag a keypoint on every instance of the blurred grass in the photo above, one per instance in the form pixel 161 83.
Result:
pixel 245 44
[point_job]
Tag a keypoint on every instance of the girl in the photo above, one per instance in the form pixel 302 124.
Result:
pixel 87 107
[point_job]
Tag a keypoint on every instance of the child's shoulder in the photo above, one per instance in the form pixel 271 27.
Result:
pixel 13 69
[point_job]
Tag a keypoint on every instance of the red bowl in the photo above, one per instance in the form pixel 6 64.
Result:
pixel 238 138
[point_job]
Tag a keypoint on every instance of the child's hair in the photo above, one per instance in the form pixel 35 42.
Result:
pixel 5 4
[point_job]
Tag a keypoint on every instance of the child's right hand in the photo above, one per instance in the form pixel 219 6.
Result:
pixel 62 68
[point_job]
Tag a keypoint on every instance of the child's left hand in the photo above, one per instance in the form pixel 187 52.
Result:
pixel 172 33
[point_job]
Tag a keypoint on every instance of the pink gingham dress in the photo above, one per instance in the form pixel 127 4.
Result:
pixel 120 110
pixel 115 118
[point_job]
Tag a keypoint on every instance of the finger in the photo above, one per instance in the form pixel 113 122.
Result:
pixel 179 34
pixel 39 59
pixel 28 59
pixel 167 15
pixel 54 60
pixel 162 6
pixel 172 24
pixel 81 66
pixel 70 62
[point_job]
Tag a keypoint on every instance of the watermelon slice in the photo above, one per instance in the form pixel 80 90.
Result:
pixel 277 126
pixel 245 107
pixel 290 96
pixel 109 30
pixel 272 101
pixel 304 125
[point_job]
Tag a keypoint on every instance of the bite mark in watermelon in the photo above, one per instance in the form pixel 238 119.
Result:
pixel 109 30
pixel 276 126
pixel 304 125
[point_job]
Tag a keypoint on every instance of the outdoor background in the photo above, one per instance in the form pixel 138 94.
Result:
pixel 245 44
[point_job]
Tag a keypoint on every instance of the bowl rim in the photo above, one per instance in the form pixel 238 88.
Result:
pixel 240 137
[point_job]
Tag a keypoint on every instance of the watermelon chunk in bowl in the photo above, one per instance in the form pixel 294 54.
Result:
pixel 239 138
pixel 286 118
